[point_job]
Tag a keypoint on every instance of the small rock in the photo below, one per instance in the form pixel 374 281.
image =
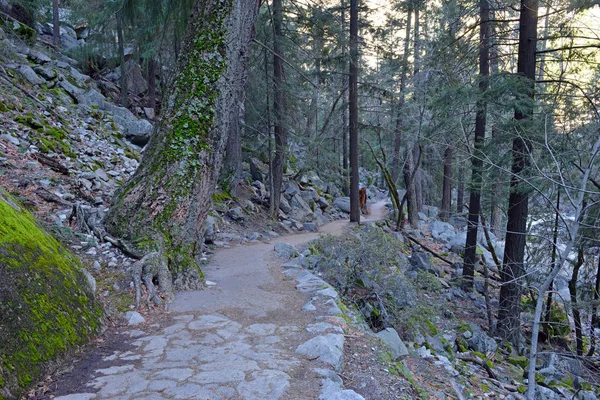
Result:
pixel 328 348
pixel 390 337
pixel 285 250
pixel 134 318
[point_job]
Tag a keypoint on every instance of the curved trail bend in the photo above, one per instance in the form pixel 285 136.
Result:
pixel 236 340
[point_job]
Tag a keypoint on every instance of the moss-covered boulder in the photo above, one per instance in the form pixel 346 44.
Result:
pixel 46 305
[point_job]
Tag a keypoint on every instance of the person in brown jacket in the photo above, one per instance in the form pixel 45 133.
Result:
pixel 362 198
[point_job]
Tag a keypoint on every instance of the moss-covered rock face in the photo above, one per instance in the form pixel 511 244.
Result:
pixel 46 306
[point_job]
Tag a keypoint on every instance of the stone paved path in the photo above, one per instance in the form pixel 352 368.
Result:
pixel 263 332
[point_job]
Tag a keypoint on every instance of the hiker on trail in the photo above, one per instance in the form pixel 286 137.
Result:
pixel 363 201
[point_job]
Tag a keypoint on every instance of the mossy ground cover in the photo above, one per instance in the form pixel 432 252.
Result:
pixel 45 303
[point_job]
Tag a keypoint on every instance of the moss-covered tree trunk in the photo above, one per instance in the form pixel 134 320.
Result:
pixel 164 205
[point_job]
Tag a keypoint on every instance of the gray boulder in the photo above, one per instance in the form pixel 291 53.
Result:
pixel 285 250
pixel 138 131
pixel 38 57
pixel 46 72
pixel 422 260
pixel 284 205
pixel 431 211
pixel 30 75
pixel 457 243
pixel 480 341
pixel 236 214
pixel 310 227
pixel 134 79
pixel 390 337
pixel 442 231
pixel 327 348
pixel 342 203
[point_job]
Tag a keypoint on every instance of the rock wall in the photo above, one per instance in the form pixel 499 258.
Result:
pixel 46 302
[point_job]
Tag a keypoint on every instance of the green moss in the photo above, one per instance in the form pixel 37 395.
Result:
pixel 520 361
pixel 45 306
pixel 26 33
pixel 221 197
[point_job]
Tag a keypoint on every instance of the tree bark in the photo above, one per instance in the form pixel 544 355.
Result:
pixel 353 113
pixel 164 205
pixel 409 182
pixel 595 322
pixel 574 303
pixel 152 84
pixel 460 190
pixel 509 320
pixel 278 109
pixel 345 175
pixel 231 174
pixel 55 23
pixel 477 155
pixel 447 184
pixel 399 119
pixel 548 313
pixel 123 77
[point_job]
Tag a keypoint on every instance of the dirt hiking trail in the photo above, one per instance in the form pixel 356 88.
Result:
pixel 259 333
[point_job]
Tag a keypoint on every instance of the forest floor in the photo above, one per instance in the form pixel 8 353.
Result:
pixel 237 339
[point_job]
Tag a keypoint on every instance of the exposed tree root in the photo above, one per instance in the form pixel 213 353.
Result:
pixel 151 267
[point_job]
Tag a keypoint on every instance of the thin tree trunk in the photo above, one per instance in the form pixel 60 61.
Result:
pixel 353 113
pixel 55 23
pixel 152 83
pixel 552 261
pixel 573 233
pixel 595 322
pixel 418 178
pixel 477 155
pixel 164 205
pixel 345 169
pixel 460 190
pixel 123 78
pixel 399 119
pixel 278 108
pixel 447 184
pixel 574 303
pixel 509 315
pixel 409 182
pixel 269 138
pixel 497 186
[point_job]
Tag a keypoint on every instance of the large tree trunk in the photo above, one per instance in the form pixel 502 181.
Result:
pixel 278 111
pixel 164 205
pixel 399 119
pixel 477 156
pixel 447 184
pixel 509 320
pixel 55 23
pixel 353 113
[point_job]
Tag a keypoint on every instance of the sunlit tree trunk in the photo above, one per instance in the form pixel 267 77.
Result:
pixel 477 155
